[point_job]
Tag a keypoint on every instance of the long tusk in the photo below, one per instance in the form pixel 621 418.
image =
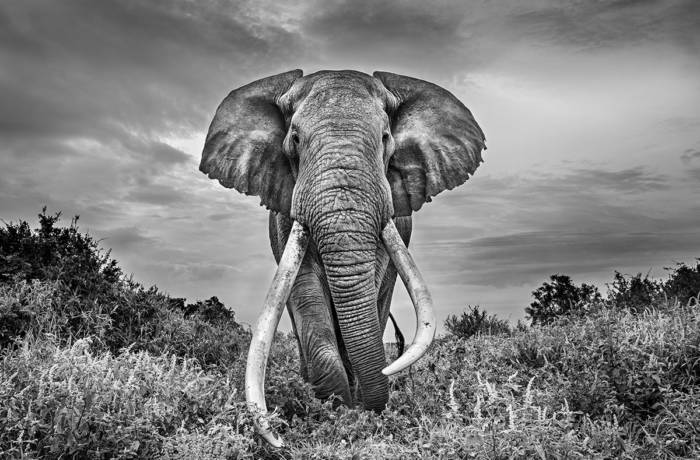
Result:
pixel 265 330
pixel 418 291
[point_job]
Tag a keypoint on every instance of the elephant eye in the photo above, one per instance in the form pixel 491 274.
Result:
pixel 295 138
pixel 385 137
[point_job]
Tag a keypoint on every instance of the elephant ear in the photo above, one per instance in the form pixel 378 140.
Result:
pixel 438 143
pixel 243 148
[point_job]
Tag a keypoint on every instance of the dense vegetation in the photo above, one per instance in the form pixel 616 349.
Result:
pixel 95 365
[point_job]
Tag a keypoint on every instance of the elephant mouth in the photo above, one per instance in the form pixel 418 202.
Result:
pixel 279 292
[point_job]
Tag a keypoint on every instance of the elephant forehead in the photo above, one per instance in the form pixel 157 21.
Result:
pixel 352 77
pixel 340 106
pixel 334 87
pixel 340 101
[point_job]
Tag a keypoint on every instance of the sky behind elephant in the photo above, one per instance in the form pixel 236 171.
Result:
pixel 591 110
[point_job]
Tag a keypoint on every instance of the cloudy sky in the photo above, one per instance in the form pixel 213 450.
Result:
pixel 591 112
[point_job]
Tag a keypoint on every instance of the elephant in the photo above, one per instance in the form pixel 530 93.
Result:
pixel 341 159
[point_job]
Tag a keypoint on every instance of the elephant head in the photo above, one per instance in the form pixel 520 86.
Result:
pixel 341 155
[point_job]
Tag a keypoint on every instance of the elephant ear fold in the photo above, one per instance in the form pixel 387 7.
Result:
pixel 243 148
pixel 438 143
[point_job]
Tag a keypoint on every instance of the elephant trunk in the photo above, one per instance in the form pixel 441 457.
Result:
pixel 345 204
pixel 349 261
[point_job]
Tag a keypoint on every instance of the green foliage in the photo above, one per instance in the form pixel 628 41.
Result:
pixel 558 298
pixel 474 321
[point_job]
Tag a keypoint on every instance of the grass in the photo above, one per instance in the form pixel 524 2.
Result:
pixel 93 365
pixel 608 385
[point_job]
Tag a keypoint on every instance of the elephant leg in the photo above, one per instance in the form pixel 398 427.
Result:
pixel 317 337
pixel 309 309
pixel 303 368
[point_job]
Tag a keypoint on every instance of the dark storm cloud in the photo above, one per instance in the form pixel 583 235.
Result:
pixel 91 89
pixel 205 271
pixel 444 36
pixel 691 161
pixel 384 29
pixel 81 65
pixel 155 153
pixel 689 156
pixel 521 258
pixel 156 194
pixel 221 216
pixel 555 190
pixel 429 39
pixel 632 180
pixel 581 221
pixel 105 105
pixel 603 24
pixel 126 238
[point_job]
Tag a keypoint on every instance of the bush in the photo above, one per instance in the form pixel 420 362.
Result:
pixel 27 308
pixel 684 283
pixel 558 298
pixel 473 322
pixel 54 253
pixel 616 362
pixel 85 280
pixel 635 293
pixel 55 280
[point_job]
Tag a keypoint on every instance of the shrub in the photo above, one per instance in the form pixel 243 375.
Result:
pixel 684 283
pixel 616 362
pixel 56 253
pixel 86 281
pixel 27 308
pixel 55 280
pixel 474 322
pixel 635 293
pixel 558 298
pixel 211 344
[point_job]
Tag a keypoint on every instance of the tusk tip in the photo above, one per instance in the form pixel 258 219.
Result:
pixel 273 439
pixel 392 369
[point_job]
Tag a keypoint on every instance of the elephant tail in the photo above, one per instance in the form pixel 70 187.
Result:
pixel 400 341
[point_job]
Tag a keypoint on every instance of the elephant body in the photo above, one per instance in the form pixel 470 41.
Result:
pixel 323 357
pixel 341 159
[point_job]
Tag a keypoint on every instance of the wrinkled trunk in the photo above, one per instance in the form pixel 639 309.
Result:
pixel 348 257
pixel 344 201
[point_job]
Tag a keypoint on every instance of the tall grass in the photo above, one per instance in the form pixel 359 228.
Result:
pixel 132 373
pixel 71 402
pixel 611 385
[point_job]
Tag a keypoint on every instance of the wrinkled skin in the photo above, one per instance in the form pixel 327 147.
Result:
pixel 342 152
